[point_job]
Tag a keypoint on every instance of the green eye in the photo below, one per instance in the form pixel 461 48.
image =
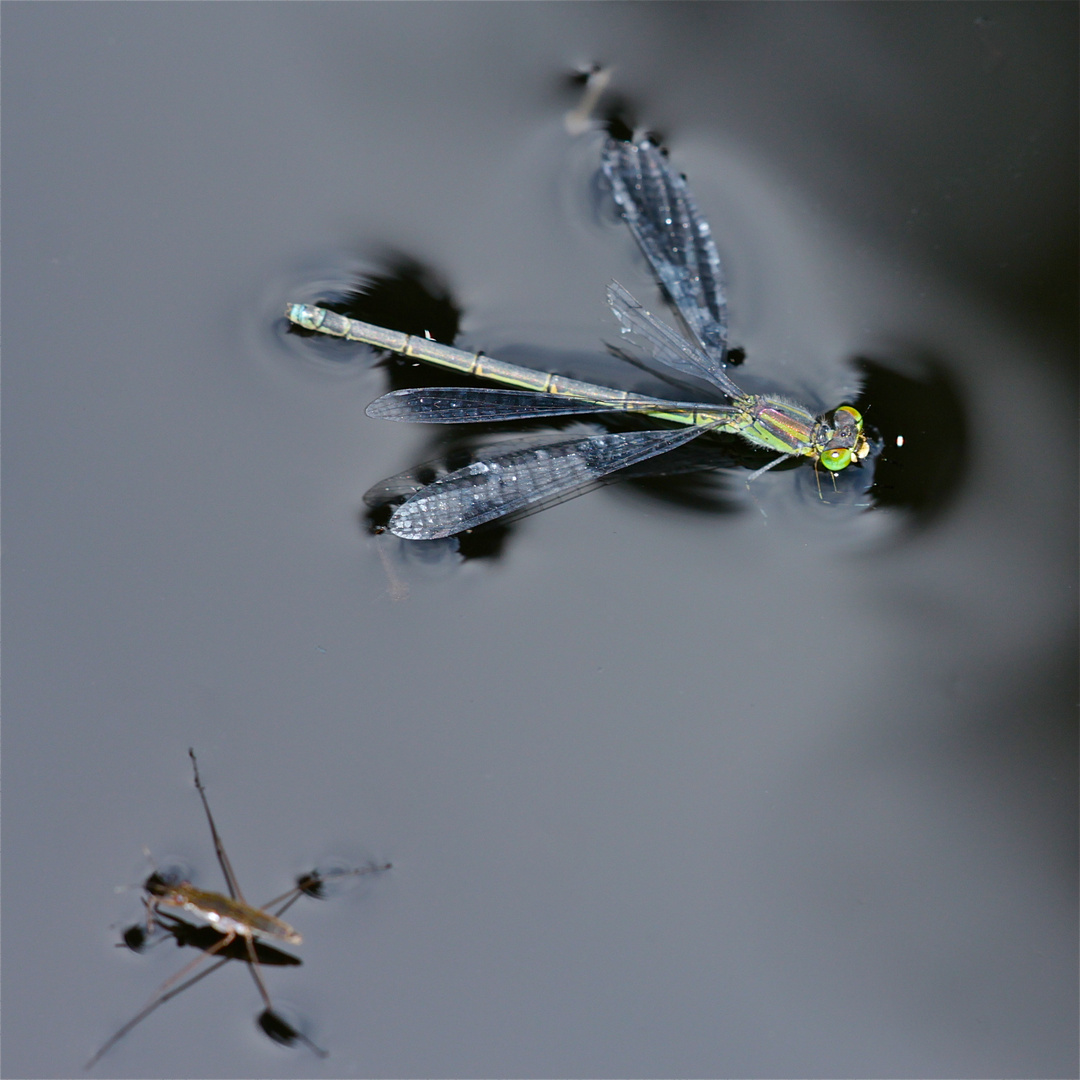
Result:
pixel 835 460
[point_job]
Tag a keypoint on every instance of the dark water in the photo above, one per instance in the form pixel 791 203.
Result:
pixel 667 791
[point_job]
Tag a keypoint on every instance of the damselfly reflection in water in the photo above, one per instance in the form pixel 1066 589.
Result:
pixel 229 929
pixel 656 204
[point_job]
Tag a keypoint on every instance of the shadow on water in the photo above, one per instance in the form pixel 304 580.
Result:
pixel 406 296
pixel 205 939
pixel 923 426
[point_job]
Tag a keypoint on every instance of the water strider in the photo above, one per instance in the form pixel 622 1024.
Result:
pixel 230 928
pixel 661 213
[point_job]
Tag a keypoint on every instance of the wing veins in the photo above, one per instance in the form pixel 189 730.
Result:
pixel 506 483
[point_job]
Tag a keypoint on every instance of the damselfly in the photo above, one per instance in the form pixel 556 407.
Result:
pixel 230 929
pixel 657 205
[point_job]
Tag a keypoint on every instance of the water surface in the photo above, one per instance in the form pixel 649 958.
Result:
pixel 667 791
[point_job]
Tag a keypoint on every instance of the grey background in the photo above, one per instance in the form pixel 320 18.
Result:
pixel 666 793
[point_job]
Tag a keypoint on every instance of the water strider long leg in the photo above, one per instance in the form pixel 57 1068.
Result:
pixel 223 859
pixel 164 993
pixel 271 1021
pixel 237 894
pixel 309 884
pixel 153 1004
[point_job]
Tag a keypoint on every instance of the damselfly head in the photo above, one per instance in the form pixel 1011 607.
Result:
pixel 848 443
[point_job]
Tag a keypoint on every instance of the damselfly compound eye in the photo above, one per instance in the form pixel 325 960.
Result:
pixel 835 460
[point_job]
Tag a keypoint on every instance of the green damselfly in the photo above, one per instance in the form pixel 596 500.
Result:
pixel 230 929
pixel 661 213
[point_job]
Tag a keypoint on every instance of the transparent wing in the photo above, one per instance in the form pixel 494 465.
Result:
pixel 397 488
pixel 675 238
pixel 464 405
pixel 664 343
pixel 507 482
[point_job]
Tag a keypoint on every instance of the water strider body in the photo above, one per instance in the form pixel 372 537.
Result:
pixel 661 213
pixel 237 930
pixel 231 917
